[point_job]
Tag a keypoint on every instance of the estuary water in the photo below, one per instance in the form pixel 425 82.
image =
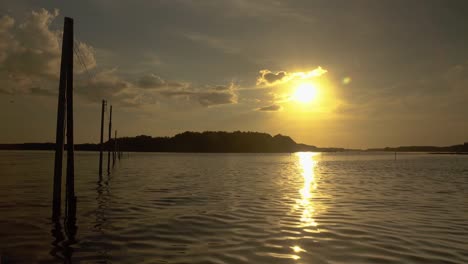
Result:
pixel 240 208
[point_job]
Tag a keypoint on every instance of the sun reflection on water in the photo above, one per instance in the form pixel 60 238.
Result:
pixel 307 162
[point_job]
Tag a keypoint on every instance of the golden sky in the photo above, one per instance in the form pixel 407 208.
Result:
pixel 352 74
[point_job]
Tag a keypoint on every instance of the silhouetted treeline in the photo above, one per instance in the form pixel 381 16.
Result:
pixel 191 142
pixel 212 142
pixel 454 149
pixel 221 142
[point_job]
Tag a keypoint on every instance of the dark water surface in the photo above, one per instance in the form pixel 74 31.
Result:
pixel 241 208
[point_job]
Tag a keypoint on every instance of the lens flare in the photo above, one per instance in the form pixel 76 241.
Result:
pixel 347 80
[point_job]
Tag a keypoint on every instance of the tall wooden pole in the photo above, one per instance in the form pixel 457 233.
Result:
pixel 102 136
pixel 59 136
pixel 109 142
pixel 70 184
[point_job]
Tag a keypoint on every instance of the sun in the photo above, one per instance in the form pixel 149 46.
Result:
pixel 305 93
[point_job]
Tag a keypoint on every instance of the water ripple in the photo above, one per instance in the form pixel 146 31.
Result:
pixel 241 208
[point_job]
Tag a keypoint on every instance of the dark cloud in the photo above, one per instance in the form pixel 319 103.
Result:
pixel 151 88
pixel 271 108
pixel 216 98
pixel 268 77
pixel 217 95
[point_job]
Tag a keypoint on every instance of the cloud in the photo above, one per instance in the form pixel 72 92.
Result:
pixel 134 98
pixel 32 48
pixel 85 57
pixel 217 95
pixel 271 108
pixel 222 87
pixel 267 77
pixel 152 81
pixel 30 53
pixel 104 85
pixel 150 89
pixel 216 98
pixel 206 96
pixel 6 38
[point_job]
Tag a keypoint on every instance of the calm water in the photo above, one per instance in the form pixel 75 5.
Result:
pixel 241 208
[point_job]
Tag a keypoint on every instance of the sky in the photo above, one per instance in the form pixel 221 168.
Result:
pixel 353 74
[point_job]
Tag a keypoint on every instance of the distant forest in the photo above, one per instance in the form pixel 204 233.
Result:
pixel 217 142
pixel 246 142
pixel 462 148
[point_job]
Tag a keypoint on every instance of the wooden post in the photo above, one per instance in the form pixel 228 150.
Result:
pixel 109 142
pixel 70 184
pixel 59 136
pixel 102 136
pixel 118 146
pixel 115 148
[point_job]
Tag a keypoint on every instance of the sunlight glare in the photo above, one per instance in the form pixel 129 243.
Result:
pixel 297 249
pixel 307 164
pixel 305 93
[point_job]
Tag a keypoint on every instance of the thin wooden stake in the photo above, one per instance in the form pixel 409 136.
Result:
pixel 102 136
pixel 118 149
pixel 109 141
pixel 115 148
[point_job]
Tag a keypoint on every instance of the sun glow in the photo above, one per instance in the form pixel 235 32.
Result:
pixel 305 93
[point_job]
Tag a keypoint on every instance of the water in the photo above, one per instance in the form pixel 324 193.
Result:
pixel 241 208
